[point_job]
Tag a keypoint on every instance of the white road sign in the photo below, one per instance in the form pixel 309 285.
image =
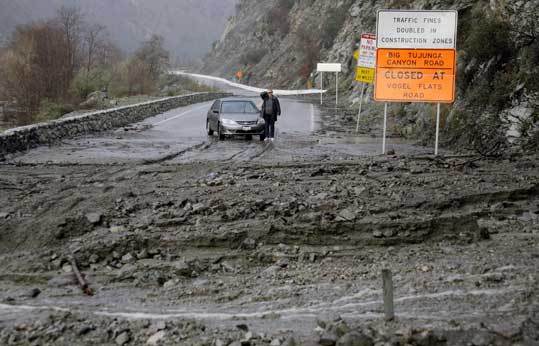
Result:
pixel 328 67
pixel 417 29
pixel 367 51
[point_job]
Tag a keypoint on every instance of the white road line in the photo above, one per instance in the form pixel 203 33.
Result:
pixel 179 115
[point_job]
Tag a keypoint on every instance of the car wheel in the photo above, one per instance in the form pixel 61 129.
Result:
pixel 249 137
pixel 220 132
pixel 208 128
pixel 262 137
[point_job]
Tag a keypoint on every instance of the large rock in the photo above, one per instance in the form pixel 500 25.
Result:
pixel 355 339
pixel 94 99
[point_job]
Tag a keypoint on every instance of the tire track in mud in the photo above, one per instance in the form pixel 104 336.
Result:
pixel 245 154
pixel 347 306
pixel 200 146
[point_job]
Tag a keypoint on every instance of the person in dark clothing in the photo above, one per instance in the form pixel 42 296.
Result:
pixel 271 109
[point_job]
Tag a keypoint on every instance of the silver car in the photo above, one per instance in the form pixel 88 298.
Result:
pixel 231 116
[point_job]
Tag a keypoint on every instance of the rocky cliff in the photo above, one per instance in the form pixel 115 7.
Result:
pixel 279 42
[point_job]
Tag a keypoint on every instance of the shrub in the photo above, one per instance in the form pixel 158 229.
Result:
pixel 278 17
pixel 50 110
pixel 309 50
pixel 253 56
pixel 86 82
pixel 335 19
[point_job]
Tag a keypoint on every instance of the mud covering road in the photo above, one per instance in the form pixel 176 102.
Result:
pixel 188 240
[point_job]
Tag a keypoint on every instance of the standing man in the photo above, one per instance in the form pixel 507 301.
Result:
pixel 271 109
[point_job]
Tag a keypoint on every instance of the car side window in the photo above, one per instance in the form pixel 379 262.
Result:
pixel 215 106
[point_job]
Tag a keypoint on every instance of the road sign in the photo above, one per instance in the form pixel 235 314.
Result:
pixel 328 67
pixel 367 51
pixel 365 74
pixel 239 75
pixel 415 58
pixel 367 59
pixel 415 75
pixel 416 29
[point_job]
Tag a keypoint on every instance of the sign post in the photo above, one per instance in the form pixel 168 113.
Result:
pixel 336 88
pixel 437 129
pixel 416 58
pixel 365 66
pixel 321 86
pixel 385 127
pixel 360 103
pixel 330 67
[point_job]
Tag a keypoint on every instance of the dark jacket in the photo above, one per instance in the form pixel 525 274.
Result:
pixel 276 106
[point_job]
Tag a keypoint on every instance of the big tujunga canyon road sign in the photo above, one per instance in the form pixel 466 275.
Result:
pixel 416 56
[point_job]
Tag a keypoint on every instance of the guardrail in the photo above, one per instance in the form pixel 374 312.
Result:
pixel 248 87
pixel 31 136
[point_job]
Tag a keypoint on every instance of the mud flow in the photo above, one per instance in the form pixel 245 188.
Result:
pixel 242 242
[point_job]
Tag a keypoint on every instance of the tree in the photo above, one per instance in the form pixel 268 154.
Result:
pixel 144 69
pixel 93 39
pixel 70 21
pixel 154 56
pixel 32 66
pixel 96 60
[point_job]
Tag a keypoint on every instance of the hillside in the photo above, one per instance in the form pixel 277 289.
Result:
pixel 280 42
pixel 188 26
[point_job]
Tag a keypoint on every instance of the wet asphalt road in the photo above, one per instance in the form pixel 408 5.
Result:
pixel 179 136
pixel 174 135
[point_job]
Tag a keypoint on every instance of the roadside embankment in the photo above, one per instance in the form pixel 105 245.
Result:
pixel 26 137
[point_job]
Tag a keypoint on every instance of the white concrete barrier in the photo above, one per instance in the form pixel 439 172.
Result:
pixel 248 87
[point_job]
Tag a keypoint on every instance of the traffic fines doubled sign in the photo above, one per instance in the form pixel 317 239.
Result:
pixel 416 56
pixel 367 59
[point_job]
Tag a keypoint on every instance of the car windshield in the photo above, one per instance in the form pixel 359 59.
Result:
pixel 238 107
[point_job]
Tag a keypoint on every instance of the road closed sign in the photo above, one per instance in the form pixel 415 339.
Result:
pixel 415 75
pixel 415 59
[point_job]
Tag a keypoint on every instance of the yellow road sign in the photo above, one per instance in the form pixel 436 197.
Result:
pixel 365 74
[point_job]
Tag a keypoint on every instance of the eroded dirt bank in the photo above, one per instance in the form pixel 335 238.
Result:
pixel 261 253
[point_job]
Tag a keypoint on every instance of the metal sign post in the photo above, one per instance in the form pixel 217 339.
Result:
pixel 366 62
pixel 336 88
pixel 360 104
pixel 437 129
pixel 321 86
pixel 329 67
pixel 385 127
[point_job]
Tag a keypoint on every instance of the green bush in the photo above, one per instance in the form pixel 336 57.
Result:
pixel 86 82
pixel 119 86
pixel 490 37
pixel 278 18
pixel 253 57
pixel 334 21
pixel 50 110
pixel 173 85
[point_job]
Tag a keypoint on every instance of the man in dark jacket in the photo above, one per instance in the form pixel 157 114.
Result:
pixel 271 109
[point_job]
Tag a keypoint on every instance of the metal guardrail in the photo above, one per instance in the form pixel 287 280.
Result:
pixel 281 92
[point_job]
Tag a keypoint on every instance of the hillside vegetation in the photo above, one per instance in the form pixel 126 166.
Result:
pixel 67 63
pixel 279 42
pixel 188 27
